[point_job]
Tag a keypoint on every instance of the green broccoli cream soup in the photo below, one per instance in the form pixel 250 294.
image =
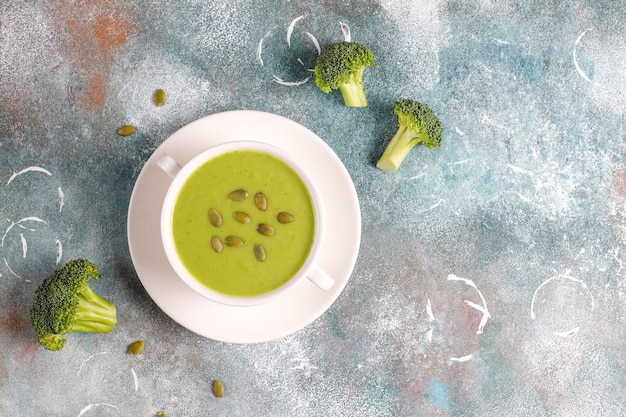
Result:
pixel 243 223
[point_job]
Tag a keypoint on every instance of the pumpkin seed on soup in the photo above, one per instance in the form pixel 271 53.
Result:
pixel 216 244
pixel 260 200
pixel 215 217
pixel 284 217
pixel 242 217
pixel 233 241
pixel 265 229
pixel 238 195
pixel 259 252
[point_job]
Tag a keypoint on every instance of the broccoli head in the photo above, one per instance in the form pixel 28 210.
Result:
pixel 418 124
pixel 340 67
pixel 65 303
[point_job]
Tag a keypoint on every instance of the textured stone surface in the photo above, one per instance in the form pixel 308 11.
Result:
pixel 490 280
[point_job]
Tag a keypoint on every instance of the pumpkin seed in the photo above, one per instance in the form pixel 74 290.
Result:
pixel 260 200
pixel 161 414
pixel 215 217
pixel 218 388
pixel 216 244
pixel 238 195
pixel 259 252
pixel 233 241
pixel 284 217
pixel 136 347
pixel 159 97
pixel 126 130
pixel 242 217
pixel 265 229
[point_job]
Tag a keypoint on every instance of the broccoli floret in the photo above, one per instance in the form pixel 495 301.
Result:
pixel 341 67
pixel 65 303
pixel 418 124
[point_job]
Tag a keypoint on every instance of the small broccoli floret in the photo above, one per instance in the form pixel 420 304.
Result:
pixel 65 303
pixel 340 67
pixel 418 124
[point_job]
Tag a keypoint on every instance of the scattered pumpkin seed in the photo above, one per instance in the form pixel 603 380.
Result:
pixel 238 195
pixel 284 217
pixel 216 244
pixel 215 217
pixel 259 252
pixel 161 414
pixel 159 97
pixel 136 347
pixel 265 229
pixel 242 217
pixel 126 130
pixel 233 241
pixel 260 200
pixel 218 388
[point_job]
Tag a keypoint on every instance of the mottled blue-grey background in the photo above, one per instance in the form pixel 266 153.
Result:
pixel 519 219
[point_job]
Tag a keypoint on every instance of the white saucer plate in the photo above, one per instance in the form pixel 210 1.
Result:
pixel 291 311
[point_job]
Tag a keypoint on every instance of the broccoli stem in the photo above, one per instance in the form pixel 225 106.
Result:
pixel 401 144
pixel 353 92
pixel 94 314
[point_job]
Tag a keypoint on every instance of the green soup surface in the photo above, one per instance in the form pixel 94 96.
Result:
pixel 228 252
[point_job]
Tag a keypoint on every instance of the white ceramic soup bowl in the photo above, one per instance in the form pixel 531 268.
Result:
pixel 310 270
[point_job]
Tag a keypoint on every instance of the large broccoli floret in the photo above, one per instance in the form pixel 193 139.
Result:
pixel 65 303
pixel 341 67
pixel 418 124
